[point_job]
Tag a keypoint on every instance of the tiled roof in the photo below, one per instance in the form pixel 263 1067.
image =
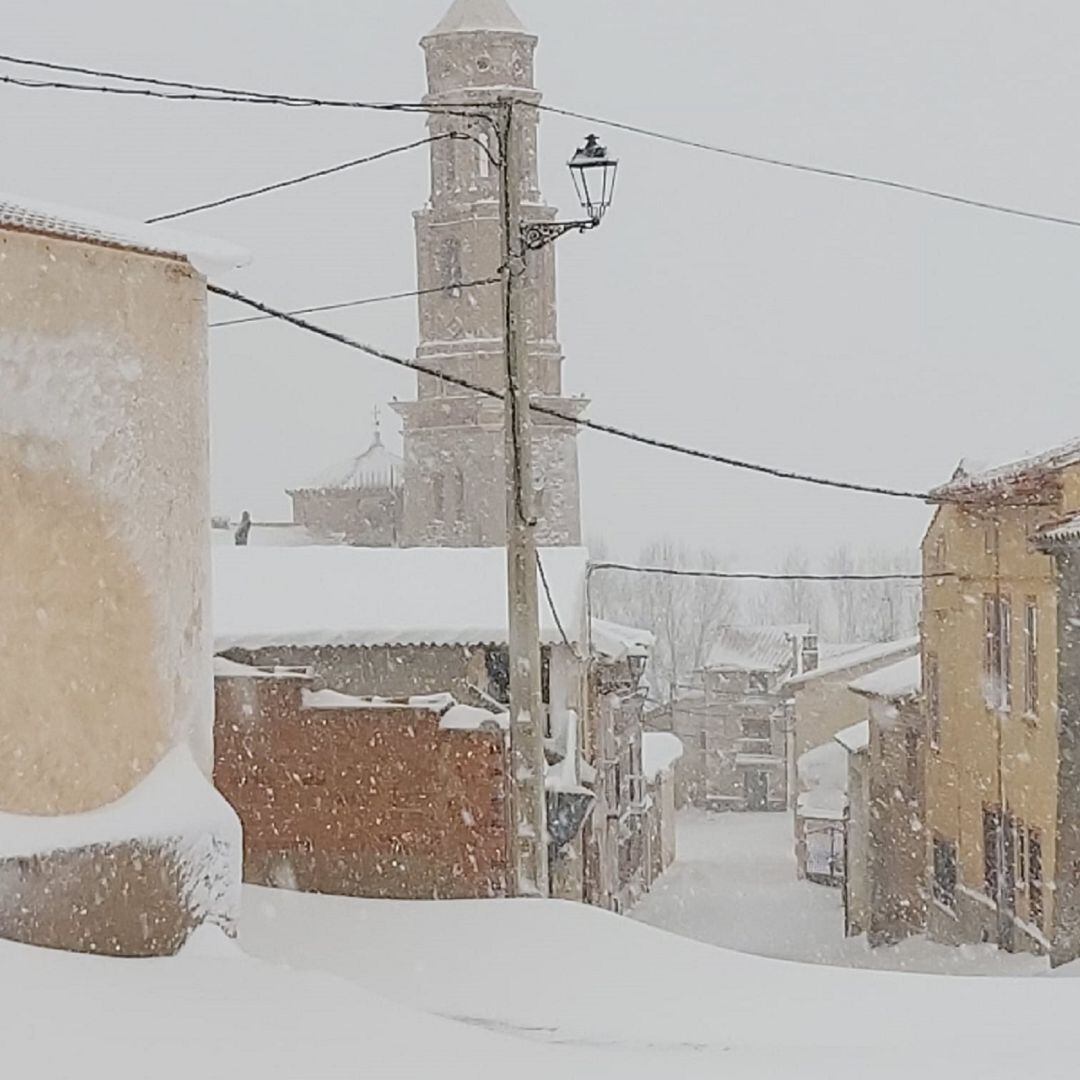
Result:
pixel 367 597
pixel 854 739
pixel 755 648
pixel 853 658
pixel 21 214
pixel 1028 468
pixel 894 683
pixel 1066 531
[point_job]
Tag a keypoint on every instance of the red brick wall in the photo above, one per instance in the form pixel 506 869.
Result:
pixel 372 802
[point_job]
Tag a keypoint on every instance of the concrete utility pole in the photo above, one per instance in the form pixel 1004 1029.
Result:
pixel 528 818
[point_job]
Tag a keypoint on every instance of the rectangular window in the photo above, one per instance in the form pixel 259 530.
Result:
pixel 758 682
pixel 933 700
pixel 944 883
pixel 703 741
pixel 911 761
pixel 1031 657
pixel 1035 877
pixel 637 780
pixel 991 825
pixel 941 554
pixel 1021 853
pixel 997 651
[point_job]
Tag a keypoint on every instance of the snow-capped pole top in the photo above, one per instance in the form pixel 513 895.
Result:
pixel 470 16
pixel 23 214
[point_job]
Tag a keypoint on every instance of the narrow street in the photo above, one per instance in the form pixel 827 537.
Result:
pixel 734 885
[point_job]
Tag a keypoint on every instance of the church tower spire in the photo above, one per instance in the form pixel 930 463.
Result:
pixel 454 472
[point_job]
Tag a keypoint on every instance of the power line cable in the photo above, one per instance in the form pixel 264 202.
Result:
pixel 220 93
pixel 723 575
pixel 209 92
pixel 306 177
pixel 359 303
pixel 819 170
pixel 547 410
pixel 551 600
pixel 458 109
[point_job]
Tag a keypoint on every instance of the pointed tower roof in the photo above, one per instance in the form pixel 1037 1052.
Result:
pixel 470 15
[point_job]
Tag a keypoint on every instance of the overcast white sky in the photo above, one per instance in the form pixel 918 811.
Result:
pixel 797 320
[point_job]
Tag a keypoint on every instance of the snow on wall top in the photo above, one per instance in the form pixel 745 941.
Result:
pixel 755 648
pixel 21 214
pixel 854 739
pixel 469 15
pixel 328 596
pixel 1066 531
pixel 969 479
pixel 659 752
pixel 175 802
pixel 615 642
pixel 856 658
pixel 376 467
pixel 902 680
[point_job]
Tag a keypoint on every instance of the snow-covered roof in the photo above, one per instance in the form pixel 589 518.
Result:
pixel 20 214
pixel 1065 531
pixel 969 479
pixel 854 739
pixel 659 752
pixel 822 804
pixel 311 596
pixel 755 648
pixel 615 642
pixel 824 766
pixel 376 467
pixel 898 681
pixel 867 654
pixel 469 15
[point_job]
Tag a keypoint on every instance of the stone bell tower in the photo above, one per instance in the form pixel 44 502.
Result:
pixel 455 493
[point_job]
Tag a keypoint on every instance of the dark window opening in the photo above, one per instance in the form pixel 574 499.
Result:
pixel 944 883
pixel 991 866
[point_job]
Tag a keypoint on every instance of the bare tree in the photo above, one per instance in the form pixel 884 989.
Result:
pixel 683 613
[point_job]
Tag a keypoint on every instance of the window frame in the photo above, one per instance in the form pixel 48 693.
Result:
pixel 1031 657
pixel 945 876
pixel 933 700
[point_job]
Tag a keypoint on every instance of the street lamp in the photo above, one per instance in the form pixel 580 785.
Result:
pixel 594 174
pixel 593 171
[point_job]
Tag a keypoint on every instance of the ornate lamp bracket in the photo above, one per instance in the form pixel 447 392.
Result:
pixel 538 234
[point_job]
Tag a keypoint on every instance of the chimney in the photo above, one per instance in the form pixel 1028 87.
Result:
pixel 810 654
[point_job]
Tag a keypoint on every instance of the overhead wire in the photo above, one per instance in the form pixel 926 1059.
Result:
pixel 209 92
pixel 819 170
pixel 725 575
pixel 363 302
pixel 577 421
pixel 316 175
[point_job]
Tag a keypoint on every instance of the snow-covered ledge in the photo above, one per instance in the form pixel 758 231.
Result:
pixel 172 836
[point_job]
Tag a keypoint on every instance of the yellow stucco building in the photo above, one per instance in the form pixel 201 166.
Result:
pixel 990 672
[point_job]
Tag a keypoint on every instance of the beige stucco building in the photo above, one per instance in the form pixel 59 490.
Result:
pixel 991 674
pixel 455 482
pixel 824 703
pixel 105 644
pixel 885 880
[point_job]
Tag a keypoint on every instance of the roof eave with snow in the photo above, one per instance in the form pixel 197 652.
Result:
pixel 20 214
pixel 858 658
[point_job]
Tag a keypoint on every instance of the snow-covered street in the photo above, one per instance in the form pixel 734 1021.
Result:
pixel 734 885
